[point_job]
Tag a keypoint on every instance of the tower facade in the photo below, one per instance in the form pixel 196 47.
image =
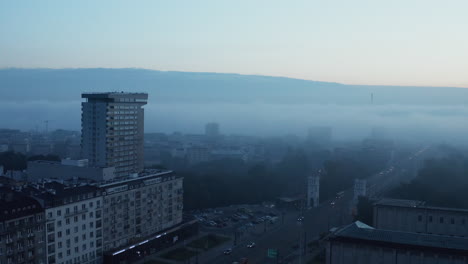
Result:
pixel 313 190
pixel 112 126
pixel 360 189
pixel 212 130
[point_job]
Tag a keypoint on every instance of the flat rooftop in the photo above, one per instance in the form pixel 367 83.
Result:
pixel 360 232
pixel 114 95
pixel 415 204
pixel 146 174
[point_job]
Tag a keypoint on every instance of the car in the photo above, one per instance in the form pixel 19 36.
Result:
pixel 332 203
pixel 251 245
pixel 300 219
pixel 227 251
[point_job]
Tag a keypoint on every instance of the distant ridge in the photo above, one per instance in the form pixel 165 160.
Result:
pixel 19 85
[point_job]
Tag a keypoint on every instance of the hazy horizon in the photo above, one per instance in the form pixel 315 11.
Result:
pixel 241 104
pixel 417 43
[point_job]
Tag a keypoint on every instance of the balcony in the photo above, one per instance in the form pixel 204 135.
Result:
pixel 78 212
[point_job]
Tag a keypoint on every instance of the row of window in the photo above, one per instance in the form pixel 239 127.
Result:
pixel 441 220
pixel 124 112
pixel 125 117
pixel 128 122
pixel 123 107
pixel 58 212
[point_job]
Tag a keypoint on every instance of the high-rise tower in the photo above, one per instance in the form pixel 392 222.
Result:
pixel 112 130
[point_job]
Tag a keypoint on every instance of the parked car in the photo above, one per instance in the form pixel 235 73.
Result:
pixel 251 245
pixel 227 251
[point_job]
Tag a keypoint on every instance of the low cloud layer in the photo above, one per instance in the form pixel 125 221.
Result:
pixel 438 123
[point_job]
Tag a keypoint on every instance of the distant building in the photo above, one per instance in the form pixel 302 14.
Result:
pixel 320 135
pixel 359 243
pixel 67 169
pixel 360 189
pixel 416 216
pixel 313 191
pixel 212 130
pixel 112 130
pixel 21 229
pixel 1 170
pixel 196 155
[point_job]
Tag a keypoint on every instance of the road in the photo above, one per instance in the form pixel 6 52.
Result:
pixel 289 238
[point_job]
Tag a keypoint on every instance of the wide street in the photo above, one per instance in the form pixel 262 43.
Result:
pixel 290 238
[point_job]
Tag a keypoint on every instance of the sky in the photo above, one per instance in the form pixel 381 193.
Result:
pixel 398 42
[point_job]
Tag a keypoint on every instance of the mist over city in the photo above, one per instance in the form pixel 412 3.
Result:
pixel 246 132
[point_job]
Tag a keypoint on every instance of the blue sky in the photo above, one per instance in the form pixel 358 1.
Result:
pixel 398 42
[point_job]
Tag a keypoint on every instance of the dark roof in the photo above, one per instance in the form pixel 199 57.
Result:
pixel 415 204
pixel 360 232
pixel 56 194
pixel 15 205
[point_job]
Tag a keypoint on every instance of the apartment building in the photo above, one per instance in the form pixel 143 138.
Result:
pixel 21 229
pixel 112 126
pixel 73 227
pixel 139 206
pixel 416 216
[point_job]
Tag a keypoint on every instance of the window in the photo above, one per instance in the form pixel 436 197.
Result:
pixel 67 231
pixel 441 220
pixel 76 229
pixel 59 223
pixel 67 221
pixel 77 250
pixel 452 221
pixel 83 227
pixel 83 217
pixel 59 245
pixel 75 219
pixel 59 234
pixel 50 227
pixel 59 212
pixel 419 218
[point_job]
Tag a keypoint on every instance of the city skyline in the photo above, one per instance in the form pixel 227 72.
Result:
pixel 358 42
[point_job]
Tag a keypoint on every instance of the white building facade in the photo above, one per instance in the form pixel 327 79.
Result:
pixel 74 226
